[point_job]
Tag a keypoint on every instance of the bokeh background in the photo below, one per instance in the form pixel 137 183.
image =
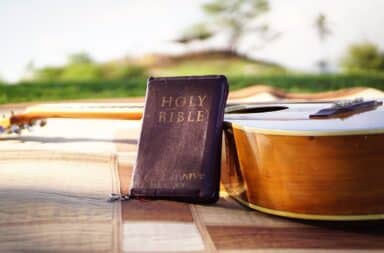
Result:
pixel 75 49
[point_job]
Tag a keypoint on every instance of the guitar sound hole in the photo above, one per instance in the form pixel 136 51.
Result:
pixel 260 109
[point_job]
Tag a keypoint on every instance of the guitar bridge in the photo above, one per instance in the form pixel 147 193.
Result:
pixel 345 109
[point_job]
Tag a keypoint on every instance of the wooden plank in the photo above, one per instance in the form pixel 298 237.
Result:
pixel 56 202
pixel 151 236
pixel 241 237
pixel 155 210
pixel 227 212
pixel 166 226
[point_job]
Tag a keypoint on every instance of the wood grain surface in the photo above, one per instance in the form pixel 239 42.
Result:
pixel 56 202
pixel 335 175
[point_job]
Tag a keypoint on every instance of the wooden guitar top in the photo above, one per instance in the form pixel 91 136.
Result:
pixel 293 119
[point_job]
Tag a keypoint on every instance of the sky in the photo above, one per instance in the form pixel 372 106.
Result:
pixel 45 32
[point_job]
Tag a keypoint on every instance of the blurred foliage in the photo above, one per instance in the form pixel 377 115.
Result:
pixel 323 31
pixel 363 57
pixel 81 71
pixel 82 78
pixel 322 27
pixel 65 90
pixel 125 71
pixel 220 63
pixel 46 74
pixel 234 19
pixel 80 58
pixel 81 67
pixel 311 82
pixel 197 32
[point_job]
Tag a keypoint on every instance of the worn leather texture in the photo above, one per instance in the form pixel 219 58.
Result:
pixel 180 141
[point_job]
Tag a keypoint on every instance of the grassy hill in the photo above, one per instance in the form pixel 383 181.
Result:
pixel 208 62
pixel 241 72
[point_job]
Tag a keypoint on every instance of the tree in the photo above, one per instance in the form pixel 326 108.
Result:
pixel 362 57
pixel 29 71
pixel 322 27
pixel 323 31
pixel 235 19
pixel 47 74
pixel 81 67
pixel 79 58
pixel 81 72
pixel 197 32
pixel 123 71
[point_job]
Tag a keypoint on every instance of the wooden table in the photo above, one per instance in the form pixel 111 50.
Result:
pixel 41 220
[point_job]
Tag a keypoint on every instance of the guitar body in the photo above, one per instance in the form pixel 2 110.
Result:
pixel 284 163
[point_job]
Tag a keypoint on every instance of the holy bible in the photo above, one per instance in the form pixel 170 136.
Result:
pixel 180 142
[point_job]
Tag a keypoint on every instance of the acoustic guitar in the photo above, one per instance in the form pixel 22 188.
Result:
pixel 321 161
pixel 301 160
pixel 37 115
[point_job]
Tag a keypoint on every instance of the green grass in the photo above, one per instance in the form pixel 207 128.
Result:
pixel 37 91
pixel 311 82
pixel 50 91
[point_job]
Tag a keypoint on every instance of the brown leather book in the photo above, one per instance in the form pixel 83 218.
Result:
pixel 179 147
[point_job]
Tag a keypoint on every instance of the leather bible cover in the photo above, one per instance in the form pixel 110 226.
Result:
pixel 180 142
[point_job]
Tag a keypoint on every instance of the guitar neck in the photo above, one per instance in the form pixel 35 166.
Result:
pixel 81 111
